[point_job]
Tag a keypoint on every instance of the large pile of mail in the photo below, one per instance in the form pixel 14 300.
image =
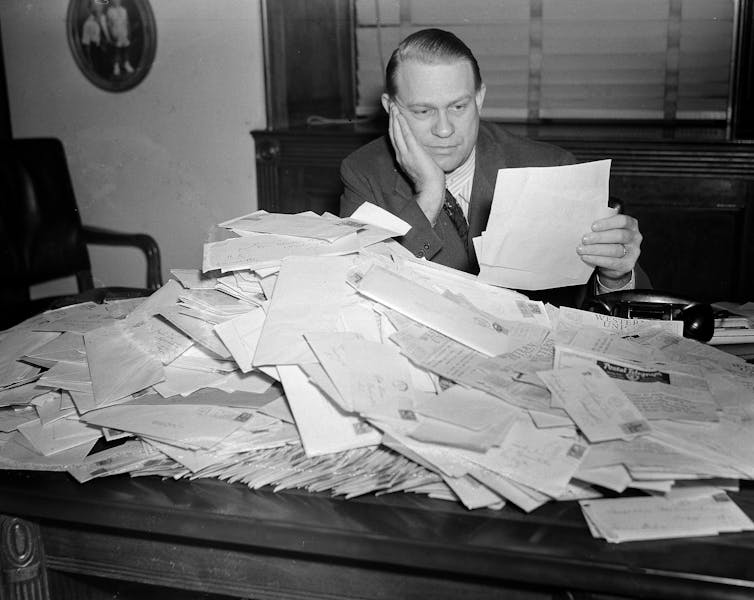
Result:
pixel 315 352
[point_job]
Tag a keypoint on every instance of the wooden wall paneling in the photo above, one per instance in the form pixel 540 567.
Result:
pixel 742 97
pixel 691 250
pixel 667 158
pixel 276 77
pixel 300 169
pixel 693 231
pixel 308 75
pixel 6 132
pixel 694 204
pixel 746 274
pixel 343 62
pixel 313 188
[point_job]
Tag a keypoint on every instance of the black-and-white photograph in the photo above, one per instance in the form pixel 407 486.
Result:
pixel 377 299
pixel 113 41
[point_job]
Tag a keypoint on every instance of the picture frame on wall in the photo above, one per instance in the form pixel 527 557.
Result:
pixel 113 42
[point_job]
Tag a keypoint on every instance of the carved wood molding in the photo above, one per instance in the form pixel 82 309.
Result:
pixel 742 121
pixel 308 147
pixel 727 160
pixel 23 574
pixel 722 160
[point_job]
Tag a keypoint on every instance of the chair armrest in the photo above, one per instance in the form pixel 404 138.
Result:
pixel 148 245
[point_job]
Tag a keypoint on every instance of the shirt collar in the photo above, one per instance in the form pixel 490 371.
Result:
pixel 461 176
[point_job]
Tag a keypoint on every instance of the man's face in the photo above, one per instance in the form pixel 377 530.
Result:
pixel 442 108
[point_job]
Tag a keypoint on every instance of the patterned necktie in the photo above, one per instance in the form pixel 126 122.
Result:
pixel 454 211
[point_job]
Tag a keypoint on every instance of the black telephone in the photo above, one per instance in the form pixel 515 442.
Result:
pixel 698 318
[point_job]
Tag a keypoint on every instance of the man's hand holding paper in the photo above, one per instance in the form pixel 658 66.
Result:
pixel 535 234
pixel 613 247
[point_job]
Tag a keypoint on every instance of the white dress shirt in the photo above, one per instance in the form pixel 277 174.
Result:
pixel 460 181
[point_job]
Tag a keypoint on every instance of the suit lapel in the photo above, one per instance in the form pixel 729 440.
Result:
pixel 402 188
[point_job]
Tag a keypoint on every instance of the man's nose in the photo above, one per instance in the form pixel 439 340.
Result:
pixel 442 127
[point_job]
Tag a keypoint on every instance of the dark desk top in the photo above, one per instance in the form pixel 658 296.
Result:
pixel 549 547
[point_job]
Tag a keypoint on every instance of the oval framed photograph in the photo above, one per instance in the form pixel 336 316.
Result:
pixel 113 41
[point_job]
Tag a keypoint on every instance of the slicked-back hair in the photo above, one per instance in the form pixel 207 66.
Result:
pixel 429 46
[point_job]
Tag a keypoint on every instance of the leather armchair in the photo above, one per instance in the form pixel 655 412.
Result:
pixel 42 237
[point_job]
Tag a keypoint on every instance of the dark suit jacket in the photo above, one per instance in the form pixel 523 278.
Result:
pixel 371 174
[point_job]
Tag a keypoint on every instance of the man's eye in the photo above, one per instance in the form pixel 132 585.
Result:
pixel 460 107
pixel 422 112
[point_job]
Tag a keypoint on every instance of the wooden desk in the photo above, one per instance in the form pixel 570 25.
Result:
pixel 211 536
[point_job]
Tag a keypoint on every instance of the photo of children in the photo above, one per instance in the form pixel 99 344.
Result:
pixel 95 37
pixel 117 25
pixel 113 41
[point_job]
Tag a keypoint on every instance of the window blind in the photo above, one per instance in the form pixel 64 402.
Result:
pixel 569 59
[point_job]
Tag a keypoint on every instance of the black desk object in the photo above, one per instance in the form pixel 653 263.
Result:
pixel 225 538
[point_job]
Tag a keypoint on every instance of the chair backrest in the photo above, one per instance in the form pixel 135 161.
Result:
pixel 39 213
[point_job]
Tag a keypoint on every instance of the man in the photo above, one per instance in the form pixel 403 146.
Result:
pixel 437 167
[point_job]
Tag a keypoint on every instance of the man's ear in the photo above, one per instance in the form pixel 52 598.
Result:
pixel 386 102
pixel 479 98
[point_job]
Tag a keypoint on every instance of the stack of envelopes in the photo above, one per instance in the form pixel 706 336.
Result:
pixel 315 352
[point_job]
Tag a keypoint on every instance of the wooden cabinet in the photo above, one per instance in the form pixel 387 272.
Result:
pixel 299 169
pixel 5 128
pixel 308 60
pixel 694 201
